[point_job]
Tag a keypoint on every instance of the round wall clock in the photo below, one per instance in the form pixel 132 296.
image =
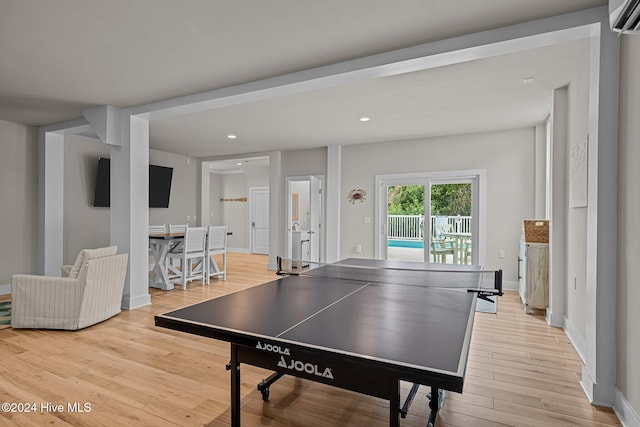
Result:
pixel 357 194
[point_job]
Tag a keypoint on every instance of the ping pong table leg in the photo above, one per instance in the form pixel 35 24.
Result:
pixel 235 387
pixel 394 407
pixel 436 399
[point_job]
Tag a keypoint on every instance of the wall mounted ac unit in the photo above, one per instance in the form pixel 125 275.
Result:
pixel 624 16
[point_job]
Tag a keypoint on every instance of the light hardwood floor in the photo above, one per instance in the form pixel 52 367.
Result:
pixel 521 373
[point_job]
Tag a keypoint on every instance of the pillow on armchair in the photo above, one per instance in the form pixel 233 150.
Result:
pixel 85 255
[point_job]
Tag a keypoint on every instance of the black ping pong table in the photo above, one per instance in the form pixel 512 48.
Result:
pixel 361 325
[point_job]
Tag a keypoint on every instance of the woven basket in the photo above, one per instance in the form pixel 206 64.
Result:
pixel 536 230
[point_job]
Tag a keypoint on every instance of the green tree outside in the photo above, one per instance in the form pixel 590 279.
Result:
pixel 451 199
pixel 405 200
pixel 446 200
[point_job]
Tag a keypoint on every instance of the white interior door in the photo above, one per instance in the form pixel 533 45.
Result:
pixel 259 220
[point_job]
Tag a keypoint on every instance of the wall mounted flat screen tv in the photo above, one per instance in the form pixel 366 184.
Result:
pixel 159 185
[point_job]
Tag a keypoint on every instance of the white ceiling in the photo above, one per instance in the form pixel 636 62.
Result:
pixel 59 58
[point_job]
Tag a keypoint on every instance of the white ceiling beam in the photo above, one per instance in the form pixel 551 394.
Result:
pixel 71 127
pixel 105 121
pixel 528 35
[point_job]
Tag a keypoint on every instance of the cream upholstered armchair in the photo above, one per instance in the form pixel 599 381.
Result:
pixel 90 293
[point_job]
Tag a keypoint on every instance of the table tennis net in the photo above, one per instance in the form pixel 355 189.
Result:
pixel 472 279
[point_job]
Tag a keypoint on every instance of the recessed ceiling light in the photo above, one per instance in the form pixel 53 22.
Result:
pixel 239 164
pixel 231 136
pixel 365 119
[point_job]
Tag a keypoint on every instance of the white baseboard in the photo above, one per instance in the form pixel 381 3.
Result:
pixel 626 414
pixel 553 319
pixel 577 340
pixel 598 395
pixel 509 285
pixel 137 302
pixel 5 289
pixel 241 250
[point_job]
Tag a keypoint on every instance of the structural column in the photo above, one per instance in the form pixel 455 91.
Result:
pixel 333 189
pixel 129 206
pixel 277 224
pixel 51 202
pixel 599 371
pixel 557 206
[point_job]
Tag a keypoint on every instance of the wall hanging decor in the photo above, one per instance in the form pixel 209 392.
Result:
pixel 238 199
pixel 357 194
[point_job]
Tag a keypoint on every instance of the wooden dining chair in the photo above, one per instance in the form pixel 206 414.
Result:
pixel 178 245
pixel 216 245
pixel 191 258
pixel 157 229
pixel 177 228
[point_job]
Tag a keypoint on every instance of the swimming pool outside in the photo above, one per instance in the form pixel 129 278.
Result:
pixel 402 243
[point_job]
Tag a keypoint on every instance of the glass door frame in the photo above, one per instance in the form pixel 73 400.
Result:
pixel 477 178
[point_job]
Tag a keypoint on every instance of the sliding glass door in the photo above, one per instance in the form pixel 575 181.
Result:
pixel 451 222
pixel 430 218
pixel 405 222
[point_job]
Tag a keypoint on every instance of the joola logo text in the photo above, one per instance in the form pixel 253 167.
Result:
pixel 305 367
pixel 273 348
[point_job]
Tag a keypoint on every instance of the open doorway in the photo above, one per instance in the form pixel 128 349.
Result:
pixel 305 239
pixel 226 199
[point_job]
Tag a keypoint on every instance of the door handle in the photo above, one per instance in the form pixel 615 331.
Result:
pixel 519 261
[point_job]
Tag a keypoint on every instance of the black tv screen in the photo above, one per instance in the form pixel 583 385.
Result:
pixel 159 185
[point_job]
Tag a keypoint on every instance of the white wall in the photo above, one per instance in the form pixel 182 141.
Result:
pixel 507 157
pixel 88 227
pixel 216 215
pixel 304 162
pixel 84 225
pixel 628 313
pixel 257 175
pixel 18 200
pixel 185 190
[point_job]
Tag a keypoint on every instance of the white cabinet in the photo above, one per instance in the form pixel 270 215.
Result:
pixel 533 275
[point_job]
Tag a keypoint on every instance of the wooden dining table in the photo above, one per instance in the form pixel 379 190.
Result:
pixel 160 244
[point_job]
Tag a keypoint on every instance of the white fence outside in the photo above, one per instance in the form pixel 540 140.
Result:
pixel 411 227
